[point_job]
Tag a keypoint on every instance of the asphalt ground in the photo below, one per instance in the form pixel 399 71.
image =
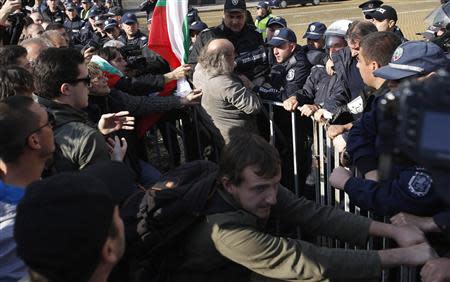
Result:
pixel 410 14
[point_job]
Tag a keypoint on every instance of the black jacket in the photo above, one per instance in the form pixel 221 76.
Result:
pixel 288 77
pixel 54 17
pixel 245 41
pixel 139 39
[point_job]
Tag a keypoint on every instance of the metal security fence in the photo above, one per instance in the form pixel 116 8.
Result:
pixel 324 159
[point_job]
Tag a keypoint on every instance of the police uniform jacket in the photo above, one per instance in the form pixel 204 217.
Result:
pixel 231 244
pixel 245 41
pixel 362 138
pixel 54 17
pixel 409 190
pixel 290 76
pixel 139 39
pixel 74 27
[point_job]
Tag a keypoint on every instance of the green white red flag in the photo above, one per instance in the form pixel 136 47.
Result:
pixel 169 37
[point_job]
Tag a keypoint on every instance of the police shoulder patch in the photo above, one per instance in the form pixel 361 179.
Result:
pixel 420 184
pixel 398 53
pixel 290 75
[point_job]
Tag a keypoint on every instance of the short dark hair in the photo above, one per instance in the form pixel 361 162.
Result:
pixel 17 121
pixel 15 80
pixel 358 29
pixel 379 46
pixel 108 53
pixel 248 149
pixel 53 67
pixel 10 53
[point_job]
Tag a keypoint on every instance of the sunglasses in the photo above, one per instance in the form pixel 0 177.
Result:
pixel 86 80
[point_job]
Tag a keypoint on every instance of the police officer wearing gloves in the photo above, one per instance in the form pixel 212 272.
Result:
pixel 292 67
pixel 234 28
pixel 133 36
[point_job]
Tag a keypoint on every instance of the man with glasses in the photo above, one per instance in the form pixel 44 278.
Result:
pixel 26 143
pixel 62 83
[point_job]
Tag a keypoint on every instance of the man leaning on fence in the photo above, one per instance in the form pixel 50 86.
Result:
pixel 233 241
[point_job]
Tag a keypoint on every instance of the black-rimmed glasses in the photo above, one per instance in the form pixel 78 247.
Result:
pixel 86 80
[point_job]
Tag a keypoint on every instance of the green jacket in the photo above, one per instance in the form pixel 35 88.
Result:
pixel 261 24
pixel 78 141
pixel 233 245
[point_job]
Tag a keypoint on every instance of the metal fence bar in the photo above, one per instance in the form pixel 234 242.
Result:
pixel 294 151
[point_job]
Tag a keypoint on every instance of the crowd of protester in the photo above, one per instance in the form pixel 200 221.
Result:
pixel 81 200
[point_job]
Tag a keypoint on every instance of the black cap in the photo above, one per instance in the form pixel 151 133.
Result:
pixel 277 20
pixel 382 13
pixel 282 36
pixel 115 11
pixel 370 6
pixel 235 6
pixel 198 26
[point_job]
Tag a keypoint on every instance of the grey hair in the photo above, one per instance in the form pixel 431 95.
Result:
pixel 215 62
pixel 36 40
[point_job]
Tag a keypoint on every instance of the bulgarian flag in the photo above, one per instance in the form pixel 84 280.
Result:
pixel 169 37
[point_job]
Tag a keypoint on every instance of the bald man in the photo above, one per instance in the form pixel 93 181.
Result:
pixel 227 102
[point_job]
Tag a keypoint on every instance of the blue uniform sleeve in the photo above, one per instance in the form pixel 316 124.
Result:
pixel 410 191
pixel 442 220
pixel 295 79
pixel 362 139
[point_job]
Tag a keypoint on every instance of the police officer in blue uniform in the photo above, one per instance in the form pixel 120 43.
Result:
pixel 292 68
pixel 411 187
pixel 133 36
pixel 73 22
pixel 244 37
pixel 370 6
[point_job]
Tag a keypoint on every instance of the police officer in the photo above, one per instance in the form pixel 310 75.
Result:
pixel 234 28
pixel 263 15
pixel 315 43
pixel 292 67
pixel 385 19
pixel 52 13
pixel 288 75
pixel 112 29
pixel 133 36
pixel 88 30
pixel 86 9
pixel 73 22
pixel 273 24
pixel 370 6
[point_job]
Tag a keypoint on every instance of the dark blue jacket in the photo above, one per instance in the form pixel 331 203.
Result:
pixel 362 138
pixel 410 190
pixel 289 77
